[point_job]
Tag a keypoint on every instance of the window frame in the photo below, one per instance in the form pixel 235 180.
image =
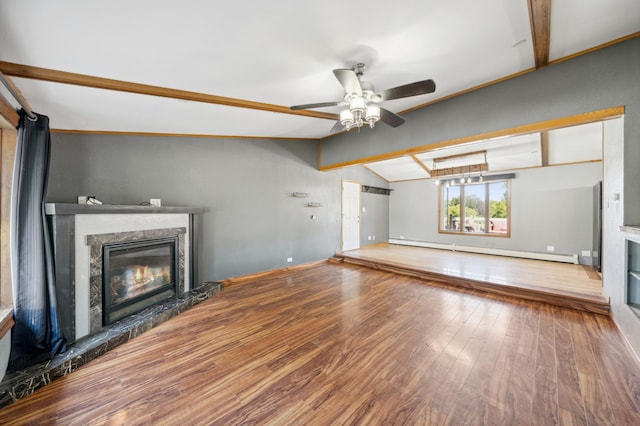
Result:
pixel 8 139
pixel 486 233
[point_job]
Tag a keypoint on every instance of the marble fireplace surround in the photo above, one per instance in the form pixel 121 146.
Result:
pixel 79 231
pixel 96 243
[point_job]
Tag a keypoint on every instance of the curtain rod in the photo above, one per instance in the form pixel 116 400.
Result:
pixel 17 96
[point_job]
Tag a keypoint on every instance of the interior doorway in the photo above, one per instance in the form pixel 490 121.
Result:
pixel 350 215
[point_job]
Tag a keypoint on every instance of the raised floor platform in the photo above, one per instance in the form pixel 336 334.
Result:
pixel 573 286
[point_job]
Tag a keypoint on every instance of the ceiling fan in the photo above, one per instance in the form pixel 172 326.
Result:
pixel 361 99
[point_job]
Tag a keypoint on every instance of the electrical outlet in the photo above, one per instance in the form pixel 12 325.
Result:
pixel 551 248
pixel 289 259
pixel 373 238
pixel 369 238
pixel 586 252
pixel 155 202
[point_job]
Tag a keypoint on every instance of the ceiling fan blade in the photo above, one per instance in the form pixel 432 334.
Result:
pixel 349 81
pixel 411 89
pixel 390 118
pixel 317 105
pixel 336 128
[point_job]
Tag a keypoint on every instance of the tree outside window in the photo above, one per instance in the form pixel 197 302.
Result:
pixel 479 208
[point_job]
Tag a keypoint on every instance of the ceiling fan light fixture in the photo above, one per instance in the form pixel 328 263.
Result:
pixel 372 115
pixel 358 94
pixel 346 118
pixel 357 106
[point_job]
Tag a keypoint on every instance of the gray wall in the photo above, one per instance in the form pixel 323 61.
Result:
pixel 603 79
pixel 549 206
pixel 252 223
pixel 374 218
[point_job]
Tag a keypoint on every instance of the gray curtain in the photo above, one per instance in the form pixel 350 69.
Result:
pixel 36 335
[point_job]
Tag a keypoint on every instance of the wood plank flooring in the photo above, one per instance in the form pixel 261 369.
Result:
pixel 561 284
pixel 344 344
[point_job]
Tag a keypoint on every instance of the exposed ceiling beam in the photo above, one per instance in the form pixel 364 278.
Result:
pixel 595 48
pixel 8 114
pixel 451 171
pixel 544 148
pixel 540 14
pixel 17 94
pixel 421 164
pixel 179 135
pixel 456 156
pixel 44 74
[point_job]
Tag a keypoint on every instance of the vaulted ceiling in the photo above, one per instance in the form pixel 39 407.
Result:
pixel 233 68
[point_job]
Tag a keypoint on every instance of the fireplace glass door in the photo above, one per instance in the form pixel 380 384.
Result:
pixel 137 275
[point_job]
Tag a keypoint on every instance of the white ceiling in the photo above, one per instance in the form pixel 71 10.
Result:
pixel 278 52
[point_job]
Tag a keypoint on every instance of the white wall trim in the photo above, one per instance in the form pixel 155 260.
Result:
pixel 566 258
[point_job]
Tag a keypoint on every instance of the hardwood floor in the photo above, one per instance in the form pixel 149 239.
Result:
pixel 344 344
pixel 562 284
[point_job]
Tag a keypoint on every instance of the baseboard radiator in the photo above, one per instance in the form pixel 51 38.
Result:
pixel 566 258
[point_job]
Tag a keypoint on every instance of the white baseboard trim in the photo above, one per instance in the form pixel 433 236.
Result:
pixel 566 258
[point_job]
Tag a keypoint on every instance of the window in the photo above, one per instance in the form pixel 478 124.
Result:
pixel 480 208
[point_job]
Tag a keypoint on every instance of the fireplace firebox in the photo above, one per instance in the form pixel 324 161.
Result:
pixel 136 275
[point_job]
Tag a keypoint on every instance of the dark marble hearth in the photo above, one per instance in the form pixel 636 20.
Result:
pixel 22 383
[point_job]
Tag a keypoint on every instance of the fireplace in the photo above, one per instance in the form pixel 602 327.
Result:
pixel 136 275
pixel 133 270
pixel 80 232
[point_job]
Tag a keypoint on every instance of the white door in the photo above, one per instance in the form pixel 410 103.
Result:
pixel 350 215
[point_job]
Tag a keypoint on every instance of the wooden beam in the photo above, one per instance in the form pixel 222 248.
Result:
pixel 452 171
pixel 179 135
pixel 54 76
pixel 421 164
pixel 598 47
pixel 8 114
pixel 544 148
pixel 375 173
pixel 540 16
pixel 18 94
pixel 466 154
